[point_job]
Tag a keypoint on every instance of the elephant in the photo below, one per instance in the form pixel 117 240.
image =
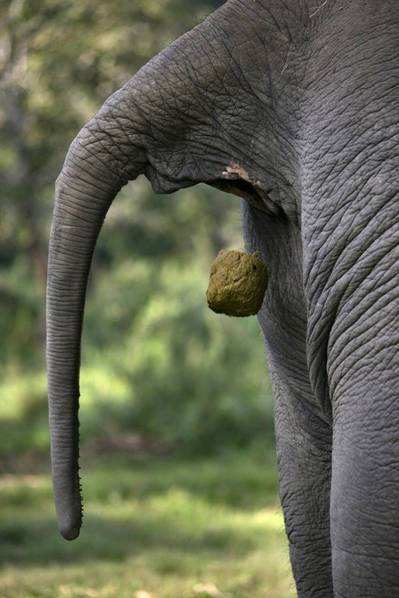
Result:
pixel 293 106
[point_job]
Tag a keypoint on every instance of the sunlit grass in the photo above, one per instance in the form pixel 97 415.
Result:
pixel 162 528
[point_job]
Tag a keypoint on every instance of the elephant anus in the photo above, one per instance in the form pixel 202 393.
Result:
pixel 292 106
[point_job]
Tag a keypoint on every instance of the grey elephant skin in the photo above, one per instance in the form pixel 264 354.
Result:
pixel 294 106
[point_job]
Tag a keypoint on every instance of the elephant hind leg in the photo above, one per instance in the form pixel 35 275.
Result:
pixel 365 492
pixel 304 463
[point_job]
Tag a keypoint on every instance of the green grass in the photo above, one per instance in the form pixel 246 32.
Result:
pixel 153 528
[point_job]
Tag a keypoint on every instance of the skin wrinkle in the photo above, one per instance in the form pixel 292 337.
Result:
pixel 357 77
pixel 230 53
pixel 95 156
pixel 356 49
pixel 86 191
pixel 334 363
pixel 362 363
pixel 334 171
pixel 97 140
pixel 365 572
pixel 343 279
pixel 347 206
pixel 251 88
pixel 355 121
pixel 381 291
pixel 364 133
pixel 107 148
pixel 346 268
pixel 359 190
pixel 356 157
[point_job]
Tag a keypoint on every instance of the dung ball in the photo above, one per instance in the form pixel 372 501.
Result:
pixel 237 283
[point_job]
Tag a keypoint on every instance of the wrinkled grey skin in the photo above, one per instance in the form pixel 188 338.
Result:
pixel 294 106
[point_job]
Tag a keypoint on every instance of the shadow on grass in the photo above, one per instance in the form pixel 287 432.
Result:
pixel 171 507
pixel 37 542
pixel 240 481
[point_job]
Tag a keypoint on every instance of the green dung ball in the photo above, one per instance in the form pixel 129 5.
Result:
pixel 237 283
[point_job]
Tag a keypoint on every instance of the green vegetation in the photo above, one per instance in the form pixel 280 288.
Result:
pixel 165 527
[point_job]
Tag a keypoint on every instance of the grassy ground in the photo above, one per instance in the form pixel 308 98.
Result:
pixel 154 528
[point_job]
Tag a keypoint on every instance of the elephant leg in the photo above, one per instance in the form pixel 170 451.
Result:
pixel 365 481
pixel 303 437
pixel 304 464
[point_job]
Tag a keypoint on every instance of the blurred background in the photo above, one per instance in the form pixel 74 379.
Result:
pixel 176 412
